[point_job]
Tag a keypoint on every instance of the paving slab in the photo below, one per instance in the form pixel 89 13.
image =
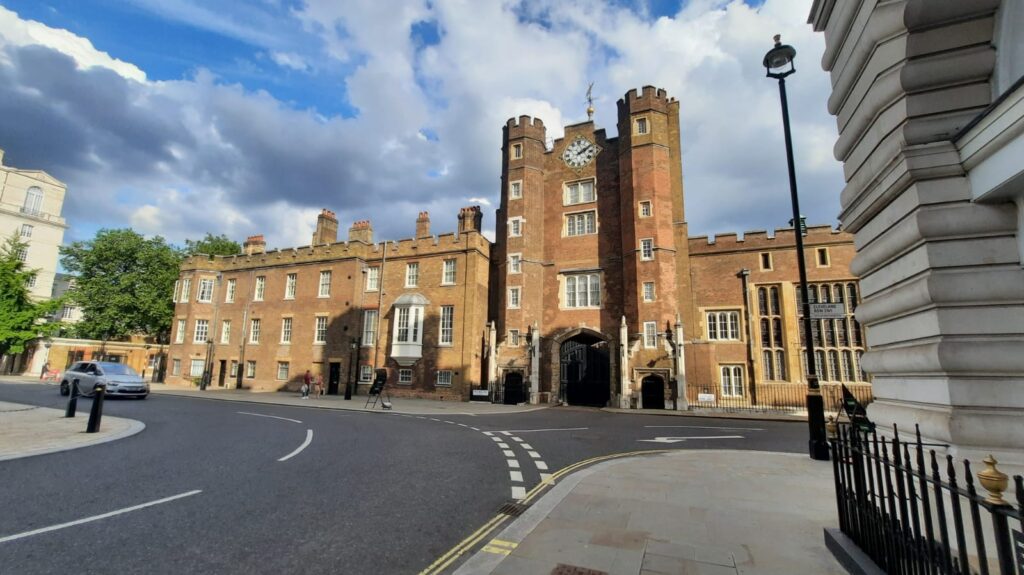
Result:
pixel 27 430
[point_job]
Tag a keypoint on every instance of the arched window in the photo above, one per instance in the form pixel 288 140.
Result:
pixel 33 201
pixel 762 301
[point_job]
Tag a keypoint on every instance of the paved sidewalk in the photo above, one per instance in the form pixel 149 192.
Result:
pixel 27 430
pixel 689 512
pixel 410 406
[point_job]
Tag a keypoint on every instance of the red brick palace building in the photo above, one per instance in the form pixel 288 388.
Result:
pixel 592 294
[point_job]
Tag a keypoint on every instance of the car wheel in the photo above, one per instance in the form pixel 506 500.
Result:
pixel 64 388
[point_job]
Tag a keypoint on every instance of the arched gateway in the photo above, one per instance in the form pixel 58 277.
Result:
pixel 652 392
pixel 584 370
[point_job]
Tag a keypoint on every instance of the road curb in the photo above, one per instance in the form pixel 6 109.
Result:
pixel 134 427
pixel 711 415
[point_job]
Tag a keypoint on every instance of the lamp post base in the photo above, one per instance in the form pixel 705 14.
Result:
pixel 817 446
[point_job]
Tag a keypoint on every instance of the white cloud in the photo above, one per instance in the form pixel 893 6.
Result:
pixel 289 60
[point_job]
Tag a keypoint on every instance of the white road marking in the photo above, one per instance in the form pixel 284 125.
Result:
pixel 679 439
pixel 97 517
pixel 518 492
pixel 451 422
pixel 272 416
pixel 516 439
pixel 498 439
pixel 513 463
pixel 463 425
pixel 503 445
pixel 705 427
pixel 305 444
pixel 545 477
pixel 516 476
pixel 474 429
pixel 488 433
pixel 526 446
pixel 435 419
pixel 508 453
pixel 534 454
pixel 550 429
pixel 505 433
pixel 420 417
pixel 541 465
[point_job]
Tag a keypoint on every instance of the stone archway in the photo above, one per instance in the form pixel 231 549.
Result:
pixel 652 392
pixel 584 369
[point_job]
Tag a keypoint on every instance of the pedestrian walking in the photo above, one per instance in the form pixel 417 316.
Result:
pixel 319 385
pixel 46 371
pixel 307 379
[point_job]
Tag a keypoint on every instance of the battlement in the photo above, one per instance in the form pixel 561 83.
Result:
pixel 649 98
pixel 783 238
pixel 525 127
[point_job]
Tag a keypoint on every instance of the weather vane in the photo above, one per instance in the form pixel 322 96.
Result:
pixel 590 101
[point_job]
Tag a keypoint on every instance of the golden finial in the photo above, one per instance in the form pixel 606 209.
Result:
pixel 590 101
pixel 994 481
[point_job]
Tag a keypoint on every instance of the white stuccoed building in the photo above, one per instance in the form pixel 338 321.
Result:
pixel 929 99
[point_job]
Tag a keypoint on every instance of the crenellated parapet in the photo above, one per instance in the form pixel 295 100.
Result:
pixel 649 98
pixel 760 240
pixel 525 127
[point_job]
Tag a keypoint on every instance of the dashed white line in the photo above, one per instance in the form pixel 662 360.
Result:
pixel 474 428
pixel 463 425
pixel 271 416
pixel 549 429
pixel 514 463
pixel 505 433
pixel 97 517
pixel 517 439
pixel 533 454
pixel 498 439
pixel 545 477
pixel 502 445
pixel 526 446
pixel 518 492
pixel 516 476
pixel 705 427
pixel 508 453
pixel 305 444
pixel 541 465
pixel 488 433
pixel 451 422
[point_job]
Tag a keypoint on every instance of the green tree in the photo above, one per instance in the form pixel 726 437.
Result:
pixel 213 245
pixel 21 318
pixel 124 283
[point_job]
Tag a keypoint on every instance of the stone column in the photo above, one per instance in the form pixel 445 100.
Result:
pixel 627 387
pixel 682 403
pixel 535 366
pixel 492 356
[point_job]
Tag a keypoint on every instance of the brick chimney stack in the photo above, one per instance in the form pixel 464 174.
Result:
pixel 423 225
pixel 471 219
pixel 361 231
pixel 254 245
pixel 326 228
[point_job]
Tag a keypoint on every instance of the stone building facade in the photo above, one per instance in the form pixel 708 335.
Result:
pixel 592 293
pixel 929 100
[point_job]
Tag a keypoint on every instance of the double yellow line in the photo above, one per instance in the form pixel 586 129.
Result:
pixel 460 548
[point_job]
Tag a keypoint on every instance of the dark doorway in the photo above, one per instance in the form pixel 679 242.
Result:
pixel 334 378
pixel 223 372
pixel 652 392
pixel 515 390
pixel 585 371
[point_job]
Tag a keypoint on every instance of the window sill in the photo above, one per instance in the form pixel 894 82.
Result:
pixel 442 385
pixel 289 298
pixel 323 296
pixel 446 345
pixel 448 285
pixel 319 343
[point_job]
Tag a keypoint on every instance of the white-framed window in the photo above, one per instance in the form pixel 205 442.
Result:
pixel 286 330
pixel 640 126
pixel 67 312
pixel 179 334
pixel 650 334
pixel 177 291
pixel 365 373
pixel 579 192
pixel 32 281
pixel 515 189
pixel 444 377
pixel 583 290
pixel 321 329
pixel 372 279
pixel 22 254
pixel 412 274
pixel 234 368
pixel 369 327
pixel 225 331
pixel 517 151
pixel 723 325
pixel 407 325
pixel 731 380
pixel 766 261
pixel 186 290
pixel 26 231
pixel 282 370
pixel 261 284
pixel 33 201
pixel 196 368
pixel 448 273
pixel 580 224
pixel 202 331
pixel 515 227
pixel 645 209
pixel 325 284
pixel 647 249
pixel 447 325
pixel 515 262
pixel 823 259
pixel 513 297
pixel 513 338
pixel 405 377
pixel 229 294
pixel 250 368
pixel 175 367
pixel 205 294
pixel 254 331
pixel 289 286
pixel 648 291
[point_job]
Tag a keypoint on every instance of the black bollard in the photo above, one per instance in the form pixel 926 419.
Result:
pixel 96 413
pixel 348 391
pixel 73 401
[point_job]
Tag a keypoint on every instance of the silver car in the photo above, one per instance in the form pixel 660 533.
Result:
pixel 121 380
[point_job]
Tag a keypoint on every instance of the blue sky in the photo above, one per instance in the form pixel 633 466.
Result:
pixel 178 117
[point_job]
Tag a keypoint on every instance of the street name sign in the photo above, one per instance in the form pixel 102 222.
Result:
pixel 828 310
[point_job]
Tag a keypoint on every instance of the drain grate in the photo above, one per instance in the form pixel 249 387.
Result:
pixel 513 509
pixel 563 569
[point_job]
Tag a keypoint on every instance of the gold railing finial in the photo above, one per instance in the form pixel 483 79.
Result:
pixel 832 428
pixel 994 481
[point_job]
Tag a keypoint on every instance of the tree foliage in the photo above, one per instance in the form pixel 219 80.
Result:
pixel 212 245
pixel 20 316
pixel 124 283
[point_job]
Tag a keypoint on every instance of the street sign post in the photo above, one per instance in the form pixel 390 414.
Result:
pixel 828 310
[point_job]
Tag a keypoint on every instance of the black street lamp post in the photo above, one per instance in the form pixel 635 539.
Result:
pixel 778 64
pixel 351 383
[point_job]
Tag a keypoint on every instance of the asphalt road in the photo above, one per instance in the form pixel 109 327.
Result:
pixel 369 493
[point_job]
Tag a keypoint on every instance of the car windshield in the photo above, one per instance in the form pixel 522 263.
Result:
pixel 117 369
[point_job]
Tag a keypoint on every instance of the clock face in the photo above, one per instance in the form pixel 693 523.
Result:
pixel 580 152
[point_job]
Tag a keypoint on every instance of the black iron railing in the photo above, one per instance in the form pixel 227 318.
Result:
pixel 786 398
pixel 911 516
